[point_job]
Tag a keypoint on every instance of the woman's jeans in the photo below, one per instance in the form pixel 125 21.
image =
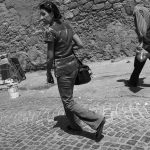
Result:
pixel 73 110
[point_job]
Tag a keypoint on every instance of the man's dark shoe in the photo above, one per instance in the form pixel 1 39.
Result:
pixel 131 84
pixel 100 129
pixel 74 129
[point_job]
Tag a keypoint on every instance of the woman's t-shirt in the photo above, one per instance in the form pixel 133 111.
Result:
pixel 62 35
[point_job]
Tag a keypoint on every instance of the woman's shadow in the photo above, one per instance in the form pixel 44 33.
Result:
pixel 63 122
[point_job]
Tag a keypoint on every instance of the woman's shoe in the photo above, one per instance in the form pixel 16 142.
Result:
pixel 74 129
pixel 100 129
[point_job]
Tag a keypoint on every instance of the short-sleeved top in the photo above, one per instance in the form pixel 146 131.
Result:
pixel 61 34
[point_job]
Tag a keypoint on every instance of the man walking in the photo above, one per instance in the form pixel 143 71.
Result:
pixel 142 23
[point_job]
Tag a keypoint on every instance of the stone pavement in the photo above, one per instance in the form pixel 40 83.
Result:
pixel 36 120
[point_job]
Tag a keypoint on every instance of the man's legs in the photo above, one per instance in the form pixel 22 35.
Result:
pixel 72 109
pixel 138 66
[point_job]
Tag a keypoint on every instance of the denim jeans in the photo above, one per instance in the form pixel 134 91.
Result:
pixel 73 110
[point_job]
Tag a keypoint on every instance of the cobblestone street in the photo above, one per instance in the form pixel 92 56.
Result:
pixel 36 120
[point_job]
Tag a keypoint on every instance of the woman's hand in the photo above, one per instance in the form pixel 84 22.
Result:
pixel 50 78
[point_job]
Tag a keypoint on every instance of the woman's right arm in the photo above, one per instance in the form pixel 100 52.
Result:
pixel 77 41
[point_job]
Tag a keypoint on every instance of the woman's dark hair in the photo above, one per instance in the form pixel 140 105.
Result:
pixel 51 7
pixel 129 6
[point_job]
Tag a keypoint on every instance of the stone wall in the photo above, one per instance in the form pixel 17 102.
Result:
pixel 106 30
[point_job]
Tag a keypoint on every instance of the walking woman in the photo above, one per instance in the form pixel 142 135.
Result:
pixel 59 37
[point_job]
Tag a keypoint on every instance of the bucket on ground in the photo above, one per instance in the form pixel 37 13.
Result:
pixel 13 90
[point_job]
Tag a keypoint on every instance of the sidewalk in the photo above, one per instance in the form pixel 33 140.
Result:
pixel 36 120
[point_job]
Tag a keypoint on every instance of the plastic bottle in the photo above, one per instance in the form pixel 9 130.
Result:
pixel 13 90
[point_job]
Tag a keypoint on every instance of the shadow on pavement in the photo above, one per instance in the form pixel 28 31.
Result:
pixel 133 89
pixel 145 85
pixel 142 84
pixel 41 87
pixel 62 122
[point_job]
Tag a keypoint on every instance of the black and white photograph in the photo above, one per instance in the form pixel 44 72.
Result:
pixel 74 75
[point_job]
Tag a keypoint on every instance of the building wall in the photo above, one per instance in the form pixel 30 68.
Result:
pixel 106 30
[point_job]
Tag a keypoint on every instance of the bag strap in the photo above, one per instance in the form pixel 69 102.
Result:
pixel 80 62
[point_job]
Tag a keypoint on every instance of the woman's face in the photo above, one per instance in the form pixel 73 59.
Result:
pixel 129 10
pixel 46 17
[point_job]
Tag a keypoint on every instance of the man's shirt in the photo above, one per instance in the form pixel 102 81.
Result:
pixel 142 15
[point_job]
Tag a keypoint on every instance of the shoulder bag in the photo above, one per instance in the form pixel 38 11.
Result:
pixel 84 74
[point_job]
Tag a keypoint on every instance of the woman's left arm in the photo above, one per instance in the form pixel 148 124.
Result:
pixel 50 54
pixel 49 40
pixel 50 59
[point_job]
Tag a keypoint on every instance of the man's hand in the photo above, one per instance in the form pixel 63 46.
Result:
pixel 139 46
pixel 140 49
